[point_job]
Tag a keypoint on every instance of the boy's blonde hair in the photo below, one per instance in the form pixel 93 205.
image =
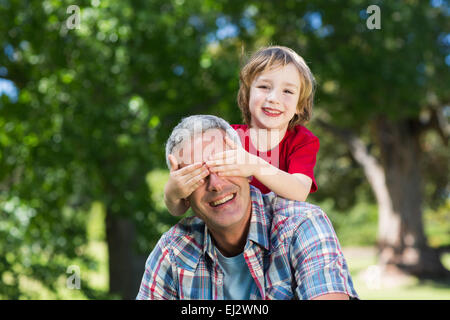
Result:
pixel 273 57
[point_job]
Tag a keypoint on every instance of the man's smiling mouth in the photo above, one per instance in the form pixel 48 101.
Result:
pixel 222 200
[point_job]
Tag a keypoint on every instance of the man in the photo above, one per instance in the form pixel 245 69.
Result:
pixel 241 244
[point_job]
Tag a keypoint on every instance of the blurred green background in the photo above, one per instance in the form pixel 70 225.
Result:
pixel 87 102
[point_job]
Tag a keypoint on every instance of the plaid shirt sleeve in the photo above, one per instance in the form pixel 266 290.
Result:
pixel 158 281
pixel 317 259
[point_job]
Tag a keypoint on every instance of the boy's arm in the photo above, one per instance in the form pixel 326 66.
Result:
pixel 176 207
pixel 295 186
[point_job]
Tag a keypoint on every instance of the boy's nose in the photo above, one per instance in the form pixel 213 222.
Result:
pixel 272 97
pixel 215 183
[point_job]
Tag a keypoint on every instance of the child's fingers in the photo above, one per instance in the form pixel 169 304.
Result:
pixel 195 182
pixel 194 168
pixel 224 168
pixel 188 180
pixel 193 179
pixel 221 162
pixel 222 155
pixel 229 158
pixel 231 173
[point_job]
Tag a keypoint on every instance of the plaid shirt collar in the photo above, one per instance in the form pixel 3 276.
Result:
pixel 260 222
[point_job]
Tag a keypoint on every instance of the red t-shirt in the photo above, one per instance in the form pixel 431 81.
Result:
pixel 296 153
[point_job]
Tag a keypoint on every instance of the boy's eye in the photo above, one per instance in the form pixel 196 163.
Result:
pixel 263 87
pixel 288 91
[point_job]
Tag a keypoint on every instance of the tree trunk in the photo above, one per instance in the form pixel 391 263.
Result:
pixel 397 186
pixel 401 238
pixel 125 267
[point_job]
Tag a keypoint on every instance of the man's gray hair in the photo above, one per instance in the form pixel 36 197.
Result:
pixel 190 126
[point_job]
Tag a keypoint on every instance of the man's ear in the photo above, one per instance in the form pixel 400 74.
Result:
pixel 173 162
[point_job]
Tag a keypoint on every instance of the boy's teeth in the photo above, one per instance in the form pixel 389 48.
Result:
pixel 223 200
pixel 272 111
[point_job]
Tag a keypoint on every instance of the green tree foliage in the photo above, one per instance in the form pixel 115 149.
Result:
pixel 95 104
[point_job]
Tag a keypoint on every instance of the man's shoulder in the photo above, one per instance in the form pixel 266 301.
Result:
pixel 290 215
pixel 290 209
pixel 189 226
pixel 184 241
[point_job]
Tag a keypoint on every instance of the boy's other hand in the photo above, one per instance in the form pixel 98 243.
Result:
pixel 234 162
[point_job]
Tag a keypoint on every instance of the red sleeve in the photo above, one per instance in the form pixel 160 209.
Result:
pixel 302 158
pixel 239 126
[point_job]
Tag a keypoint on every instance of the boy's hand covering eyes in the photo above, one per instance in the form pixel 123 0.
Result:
pixel 182 182
pixel 235 162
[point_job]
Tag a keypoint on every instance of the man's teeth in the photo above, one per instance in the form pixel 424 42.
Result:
pixel 223 200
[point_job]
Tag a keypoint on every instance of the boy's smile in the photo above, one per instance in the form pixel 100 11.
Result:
pixel 270 112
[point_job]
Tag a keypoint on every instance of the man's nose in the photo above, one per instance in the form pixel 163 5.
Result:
pixel 215 183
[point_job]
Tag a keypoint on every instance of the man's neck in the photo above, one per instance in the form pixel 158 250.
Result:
pixel 231 241
pixel 228 244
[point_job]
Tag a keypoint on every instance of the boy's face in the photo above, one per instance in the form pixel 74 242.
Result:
pixel 274 96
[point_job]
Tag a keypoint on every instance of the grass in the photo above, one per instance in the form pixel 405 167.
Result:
pixel 363 259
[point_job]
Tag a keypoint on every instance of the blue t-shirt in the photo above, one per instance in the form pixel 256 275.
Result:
pixel 237 281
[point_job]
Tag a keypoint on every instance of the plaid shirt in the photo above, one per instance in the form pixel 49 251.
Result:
pixel 292 252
